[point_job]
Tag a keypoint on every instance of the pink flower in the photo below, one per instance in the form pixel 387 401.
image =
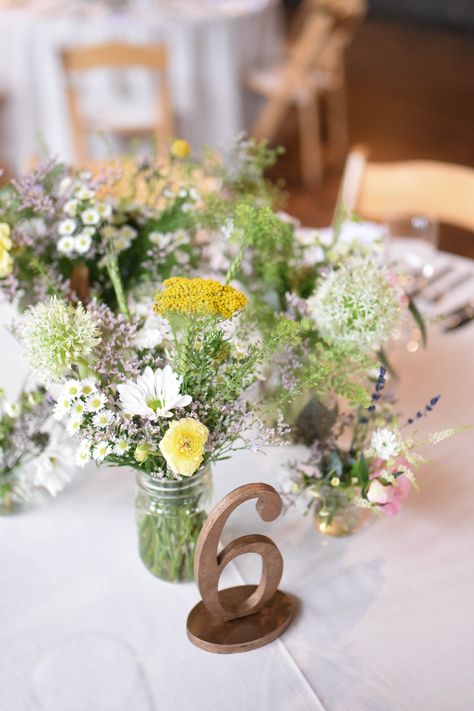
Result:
pixel 378 493
pixel 401 489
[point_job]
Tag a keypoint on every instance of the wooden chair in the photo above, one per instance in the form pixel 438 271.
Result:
pixel 289 85
pixel 156 118
pixel 315 69
pixel 378 190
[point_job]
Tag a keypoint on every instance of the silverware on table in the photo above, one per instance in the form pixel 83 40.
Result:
pixel 460 316
pixel 441 293
pixel 425 282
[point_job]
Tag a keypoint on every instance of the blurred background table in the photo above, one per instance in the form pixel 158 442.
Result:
pixel 210 45
pixel 386 616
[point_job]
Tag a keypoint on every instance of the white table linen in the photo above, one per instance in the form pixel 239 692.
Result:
pixel 386 616
pixel 210 46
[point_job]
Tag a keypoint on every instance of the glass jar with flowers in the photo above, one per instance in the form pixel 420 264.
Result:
pixel 33 453
pixel 167 408
pixel 359 463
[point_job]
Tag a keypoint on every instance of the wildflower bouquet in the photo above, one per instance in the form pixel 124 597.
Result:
pixel 33 454
pixel 68 232
pixel 168 411
pixel 360 462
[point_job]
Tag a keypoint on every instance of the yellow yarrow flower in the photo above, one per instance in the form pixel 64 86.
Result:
pixel 183 446
pixel 198 297
pixel 180 148
pixel 6 262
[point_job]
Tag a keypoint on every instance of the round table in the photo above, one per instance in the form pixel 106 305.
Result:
pixel 210 44
pixel 386 616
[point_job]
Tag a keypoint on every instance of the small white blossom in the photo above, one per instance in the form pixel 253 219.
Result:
pixel 385 443
pixel 74 424
pixel 128 232
pixel 70 208
pixel 96 402
pixel 71 388
pixel 82 243
pixel 88 386
pixel 90 216
pixel 104 209
pixel 77 408
pixel 121 447
pixel 84 193
pixel 12 409
pixel 66 245
pixel 54 467
pixel 67 227
pixel 161 239
pixel 101 450
pixel 102 418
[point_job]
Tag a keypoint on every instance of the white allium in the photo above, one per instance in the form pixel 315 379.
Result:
pixel 357 304
pixel 56 335
pixel 385 443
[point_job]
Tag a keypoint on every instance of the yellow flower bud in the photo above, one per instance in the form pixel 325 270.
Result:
pixel 180 148
pixel 142 453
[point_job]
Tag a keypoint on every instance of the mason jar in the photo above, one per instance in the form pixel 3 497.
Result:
pixel 15 492
pixel 170 514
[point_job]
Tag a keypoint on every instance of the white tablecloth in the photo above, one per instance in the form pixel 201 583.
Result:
pixel 210 45
pixel 386 617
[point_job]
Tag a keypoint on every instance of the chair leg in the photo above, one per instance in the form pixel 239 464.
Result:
pixel 310 141
pixel 336 113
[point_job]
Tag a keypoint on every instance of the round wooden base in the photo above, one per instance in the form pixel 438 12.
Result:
pixel 207 631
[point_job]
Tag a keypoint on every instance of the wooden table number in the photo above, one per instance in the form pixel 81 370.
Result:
pixel 247 616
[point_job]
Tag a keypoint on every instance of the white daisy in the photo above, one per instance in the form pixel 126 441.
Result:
pixel 66 245
pixel 102 418
pixel 96 402
pixel 12 409
pixel 67 227
pixel 161 239
pixel 104 209
pixel 77 408
pixel 54 467
pixel 82 243
pixel 70 208
pixel 153 394
pixel 89 231
pixel 88 386
pixel 83 193
pixel 82 458
pixel 193 194
pixel 90 216
pixel 60 410
pixel 74 424
pixel 120 243
pixel 121 447
pixel 128 232
pixel 101 450
pixel 72 388
pixel 64 185
pixel 385 443
pixel 109 232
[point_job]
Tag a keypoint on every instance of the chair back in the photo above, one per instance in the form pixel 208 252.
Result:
pixel 379 190
pixel 116 55
pixel 302 57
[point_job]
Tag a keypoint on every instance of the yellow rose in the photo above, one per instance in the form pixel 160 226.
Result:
pixel 5 240
pixel 183 446
pixel 180 148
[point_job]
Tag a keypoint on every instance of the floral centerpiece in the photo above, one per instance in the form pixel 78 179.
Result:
pixel 360 462
pixel 35 454
pixel 168 411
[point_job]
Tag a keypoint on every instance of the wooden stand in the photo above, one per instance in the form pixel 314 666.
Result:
pixel 247 616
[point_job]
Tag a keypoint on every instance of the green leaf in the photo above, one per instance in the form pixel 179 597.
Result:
pixel 418 320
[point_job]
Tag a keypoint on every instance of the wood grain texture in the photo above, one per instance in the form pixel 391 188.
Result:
pixel 248 616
